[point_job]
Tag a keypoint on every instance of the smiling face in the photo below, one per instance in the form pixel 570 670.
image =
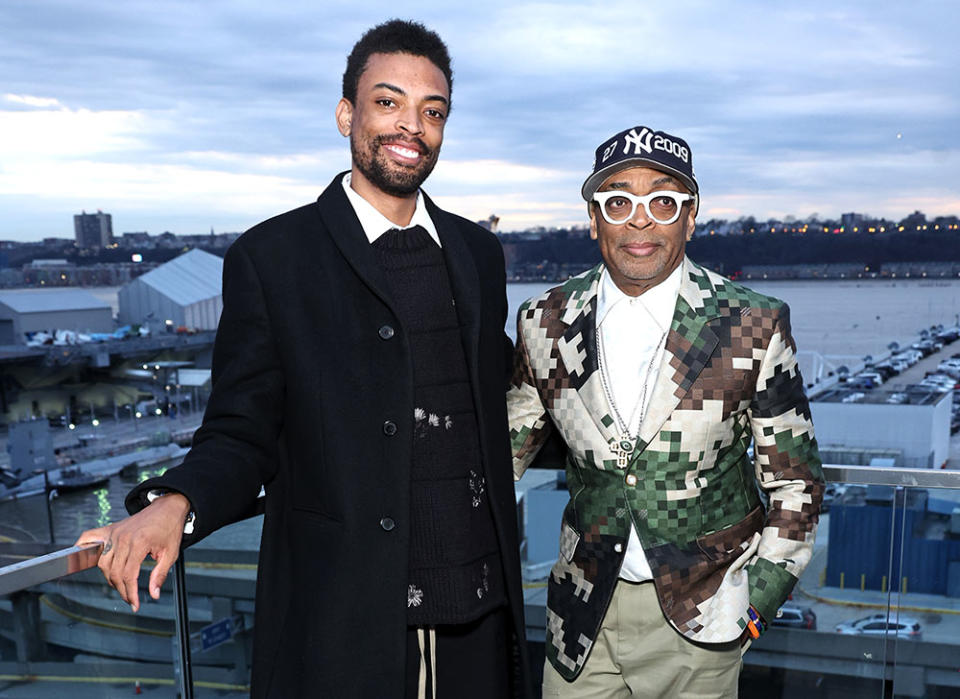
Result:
pixel 640 253
pixel 396 125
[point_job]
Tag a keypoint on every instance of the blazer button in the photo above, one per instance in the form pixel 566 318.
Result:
pixel 387 524
pixel 631 479
pixel 386 332
pixel 389 428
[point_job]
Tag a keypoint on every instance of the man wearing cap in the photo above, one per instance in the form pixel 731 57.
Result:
pixel 676 547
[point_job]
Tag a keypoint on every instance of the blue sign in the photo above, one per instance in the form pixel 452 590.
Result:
pixel 219 632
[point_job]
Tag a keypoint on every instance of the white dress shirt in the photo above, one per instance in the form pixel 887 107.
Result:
pixel 375 224
pixel 632 330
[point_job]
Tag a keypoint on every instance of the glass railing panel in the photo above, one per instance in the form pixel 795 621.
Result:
pixel 883 531
pixel 221 574
pixel 875 612
pixel 884 586
pixel 816 645
pixel 73 635
pixel 924 619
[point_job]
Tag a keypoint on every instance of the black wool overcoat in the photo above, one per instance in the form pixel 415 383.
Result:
pixel 313 399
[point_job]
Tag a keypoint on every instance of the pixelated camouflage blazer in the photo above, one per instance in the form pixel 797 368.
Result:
pixel 714 543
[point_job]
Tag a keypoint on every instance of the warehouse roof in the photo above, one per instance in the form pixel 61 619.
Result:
pixel 188 279
pixel 52 301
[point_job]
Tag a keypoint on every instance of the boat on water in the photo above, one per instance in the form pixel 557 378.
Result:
pixel 75 478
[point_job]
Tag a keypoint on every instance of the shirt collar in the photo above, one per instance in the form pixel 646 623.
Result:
pixel 660 300
pixel 375 224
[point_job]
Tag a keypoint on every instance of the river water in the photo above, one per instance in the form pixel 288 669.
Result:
pixel 840 321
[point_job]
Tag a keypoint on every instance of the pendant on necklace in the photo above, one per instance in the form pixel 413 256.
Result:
pixel 622 449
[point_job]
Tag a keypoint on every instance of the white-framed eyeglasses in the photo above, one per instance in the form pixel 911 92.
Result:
pixel 663 207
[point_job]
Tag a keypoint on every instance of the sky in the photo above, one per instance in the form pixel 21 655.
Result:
pixel 187 116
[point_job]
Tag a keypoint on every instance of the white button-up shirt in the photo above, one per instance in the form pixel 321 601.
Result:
pixel 631 330
pixel 375 224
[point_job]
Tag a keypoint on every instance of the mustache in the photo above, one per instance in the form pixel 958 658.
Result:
pixel 401 140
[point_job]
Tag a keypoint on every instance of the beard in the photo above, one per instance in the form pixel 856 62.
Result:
pixel 387 176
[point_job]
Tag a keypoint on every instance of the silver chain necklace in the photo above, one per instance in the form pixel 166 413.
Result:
pixel 627 439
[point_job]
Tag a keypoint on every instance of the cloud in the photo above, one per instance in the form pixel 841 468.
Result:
pixel 785 107
pixel 31 101
pixel 62 133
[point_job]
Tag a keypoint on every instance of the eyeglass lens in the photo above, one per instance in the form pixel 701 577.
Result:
pixel 660 209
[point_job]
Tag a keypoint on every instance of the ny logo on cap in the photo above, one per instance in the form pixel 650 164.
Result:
pixel 640 141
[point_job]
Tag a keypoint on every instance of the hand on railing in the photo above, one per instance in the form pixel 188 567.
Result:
pixel 155 531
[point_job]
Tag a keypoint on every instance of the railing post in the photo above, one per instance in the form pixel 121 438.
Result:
pixel 27 627
pixel 182 626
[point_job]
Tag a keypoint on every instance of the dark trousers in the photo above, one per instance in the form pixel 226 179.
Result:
pixel 472 660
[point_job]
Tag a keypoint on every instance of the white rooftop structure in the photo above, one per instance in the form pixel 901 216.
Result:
pixel 49 310
pixel 51 301
pixel 184 291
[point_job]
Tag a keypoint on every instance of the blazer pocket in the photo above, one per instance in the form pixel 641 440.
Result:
pixel 569 539
pixel 734 539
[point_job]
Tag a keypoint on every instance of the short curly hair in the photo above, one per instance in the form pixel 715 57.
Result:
pixel 395 36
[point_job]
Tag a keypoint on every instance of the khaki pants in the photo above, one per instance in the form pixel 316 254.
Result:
pixel 638 654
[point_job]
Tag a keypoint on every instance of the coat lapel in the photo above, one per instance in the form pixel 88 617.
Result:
pixel 690 343
pixel 347 233
pixel 464 282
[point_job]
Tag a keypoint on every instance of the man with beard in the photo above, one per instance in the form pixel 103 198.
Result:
pixel 358 376
pixel 677 545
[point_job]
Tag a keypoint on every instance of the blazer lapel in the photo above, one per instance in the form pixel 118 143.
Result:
pixel 347 233
pixel 577 347
pixel 690 343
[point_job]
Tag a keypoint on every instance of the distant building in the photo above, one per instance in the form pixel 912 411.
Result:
pixel 24 312
pixel 490 223
pixel 855 426
pixel 93 230
pixel 137 239
pixel 184 292
pixel 851 223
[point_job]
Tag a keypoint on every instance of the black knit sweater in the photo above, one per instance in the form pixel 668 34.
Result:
pixel 454 571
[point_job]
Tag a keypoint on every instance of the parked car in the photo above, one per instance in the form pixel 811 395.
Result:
pixel 795 617
pixel 886 369
pixel 899 363
pixel 940 381
pixel 948 335
pixel 910 356
pixel 874 376
pixel 879 625
pixel 951 367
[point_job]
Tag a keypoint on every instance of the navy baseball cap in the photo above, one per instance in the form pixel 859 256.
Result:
pixel 641 146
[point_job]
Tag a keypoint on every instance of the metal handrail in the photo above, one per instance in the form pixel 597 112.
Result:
pixel 19 576
pixel 906 477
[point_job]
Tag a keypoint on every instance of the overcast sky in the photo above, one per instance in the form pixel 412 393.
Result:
pixel 184 116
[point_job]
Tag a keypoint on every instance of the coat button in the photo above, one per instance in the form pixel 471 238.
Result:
pixel 386 332
pixel 631 479
pixel 387 524
pixel 618 547
pixel 389 428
